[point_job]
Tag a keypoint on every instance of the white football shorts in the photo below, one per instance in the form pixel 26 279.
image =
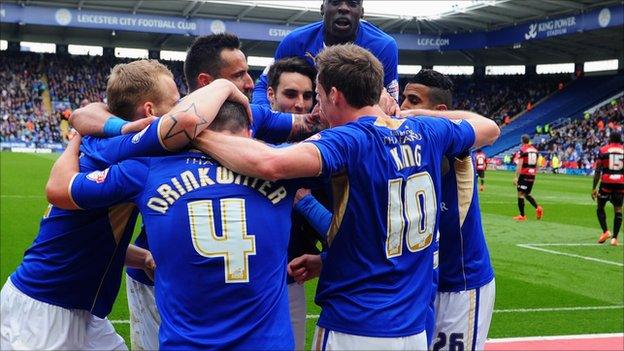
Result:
pixel 463 318
pixel 29 324
pixel 325 339
pixel 297 305
pixel 144 316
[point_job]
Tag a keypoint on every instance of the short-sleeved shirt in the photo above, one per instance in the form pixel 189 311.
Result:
pixel 267 125
pixel 528 154
pixel 309 40
pixel 385 175
pixel 77 258
pixel 481 161
pixel 611 159
pixel 219 240
pixel 464 256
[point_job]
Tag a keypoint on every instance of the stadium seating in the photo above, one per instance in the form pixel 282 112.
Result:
pixel 570 102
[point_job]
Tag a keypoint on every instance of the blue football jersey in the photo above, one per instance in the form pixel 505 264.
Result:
pixel 219 240
pixel 385 174
pixel 76 259
pixel 270 126
pixel 309 40
pixel 267 125
pixel 464 257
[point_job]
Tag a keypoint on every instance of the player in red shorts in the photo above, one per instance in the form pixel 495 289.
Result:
pixel 610 173
pixel 526 169
pixel 481 162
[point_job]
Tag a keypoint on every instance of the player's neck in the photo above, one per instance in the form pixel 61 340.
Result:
pixel 351 114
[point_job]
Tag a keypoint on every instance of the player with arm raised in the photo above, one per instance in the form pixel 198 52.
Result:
pixel 526 170
pixel 221 253
pixel 375 285
pixel 69 277
pixel 610 173
pixel 466 288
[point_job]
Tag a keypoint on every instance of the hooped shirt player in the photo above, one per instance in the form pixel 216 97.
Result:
pixel 221 255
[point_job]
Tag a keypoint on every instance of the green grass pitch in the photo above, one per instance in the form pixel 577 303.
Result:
pixel 551 277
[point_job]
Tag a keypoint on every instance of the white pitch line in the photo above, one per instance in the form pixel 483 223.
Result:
pixel 566 244
pixel 513 310
pixel 533 310
pixel 23 196
pixel 557 337
pixel 528 246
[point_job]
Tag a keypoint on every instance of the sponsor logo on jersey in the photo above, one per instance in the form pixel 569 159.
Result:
pixel 98 176
pixel 139 135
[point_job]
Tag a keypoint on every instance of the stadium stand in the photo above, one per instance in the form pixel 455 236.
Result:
pixel 570 102
pixel 72 78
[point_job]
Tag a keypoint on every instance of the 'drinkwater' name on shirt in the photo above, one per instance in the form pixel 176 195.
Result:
pixel 191 180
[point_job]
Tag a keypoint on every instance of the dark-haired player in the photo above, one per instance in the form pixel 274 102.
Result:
pixel 291 89
pixel 610 174
pixel 342 23
pixel 526 169
pixel 466 287
pixel 481 163
pixel 291 85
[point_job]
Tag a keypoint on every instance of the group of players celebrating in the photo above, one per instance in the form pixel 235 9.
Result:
pixel 230 230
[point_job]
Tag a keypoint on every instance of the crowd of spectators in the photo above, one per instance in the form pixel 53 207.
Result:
pixel 74 79
pixel 576 143
pixel 22 87
pixel 503 97
pixel 70 81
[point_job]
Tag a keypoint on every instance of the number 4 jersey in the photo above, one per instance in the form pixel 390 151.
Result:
pixel 220 242
pixel 385 174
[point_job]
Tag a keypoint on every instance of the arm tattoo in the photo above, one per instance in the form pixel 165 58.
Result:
pixel 305 126
pixel 176 129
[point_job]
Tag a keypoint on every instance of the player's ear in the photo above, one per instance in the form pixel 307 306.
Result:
pixel 149 108
pixel 271 95
pixel 204 79
pixel 334 95
pixel 441 107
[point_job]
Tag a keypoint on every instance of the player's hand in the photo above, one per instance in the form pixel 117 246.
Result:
pixel 515 181
pixel 137 126
pixel 304 268
pixel 300 194
pixel 594 194
pixel 149 266
pixel 388 104
pixel 237 96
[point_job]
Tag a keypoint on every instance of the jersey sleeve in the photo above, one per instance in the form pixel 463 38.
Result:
pixel 337 147
pixel 315 213
pixel 113 150
pixel 270 126
pixel 390 59
pixel 119 183
pixel 454 137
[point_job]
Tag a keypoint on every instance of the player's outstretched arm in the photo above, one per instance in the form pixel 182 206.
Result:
pixel 61 175
pixel 95 120
pixel 253 158
pixel 196 111
pixel 486 130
